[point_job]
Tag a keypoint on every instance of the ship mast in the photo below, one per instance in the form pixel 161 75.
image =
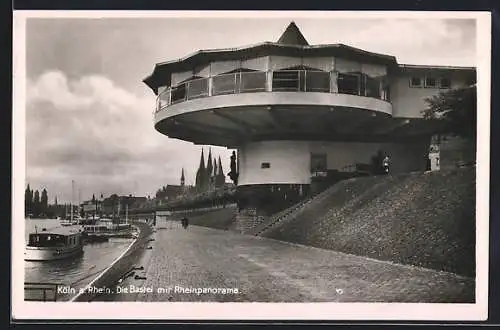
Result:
pixel 126 213
pixel 119 205
pixel 72 197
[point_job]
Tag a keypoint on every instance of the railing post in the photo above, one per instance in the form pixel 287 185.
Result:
pixel 239 83
pixel 334 88
pixel 305 81
pixel 269 81
pixel 235 82
pixel 365 80
pixel 187 91
pixel 381 91
pixel 169 101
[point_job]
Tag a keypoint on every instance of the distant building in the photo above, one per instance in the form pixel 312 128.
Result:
pixel 114 204
pixel 91 207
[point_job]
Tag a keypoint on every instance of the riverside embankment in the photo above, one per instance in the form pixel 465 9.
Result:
pixel 121 266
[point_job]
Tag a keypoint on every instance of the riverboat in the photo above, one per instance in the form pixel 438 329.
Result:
pixel 53 244
pixel 122 230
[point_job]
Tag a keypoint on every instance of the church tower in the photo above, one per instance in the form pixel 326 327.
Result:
pixel 201 174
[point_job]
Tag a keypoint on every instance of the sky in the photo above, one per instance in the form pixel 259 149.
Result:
pixel 89 117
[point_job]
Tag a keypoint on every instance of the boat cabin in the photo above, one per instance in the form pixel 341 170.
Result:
pixel 54 239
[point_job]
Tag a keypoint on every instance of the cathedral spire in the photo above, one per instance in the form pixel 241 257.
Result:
pixel 202 160
pixel 210 168
pixel 200 174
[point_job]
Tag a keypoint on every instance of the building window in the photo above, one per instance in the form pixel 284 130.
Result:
pixel 178 93
pixel 445 83
pixel 286 81
pixel 224 84
pixel 253 81
pixel 372 87
pixel 265 165
pixel 317 81
pixel 415 82
pixel 197 88
pixel 348 83
pixel 430 82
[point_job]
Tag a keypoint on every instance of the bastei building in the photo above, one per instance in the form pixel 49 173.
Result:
pixel 301 116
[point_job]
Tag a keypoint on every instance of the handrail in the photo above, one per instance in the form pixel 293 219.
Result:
pixel 42 288
pixel 303 81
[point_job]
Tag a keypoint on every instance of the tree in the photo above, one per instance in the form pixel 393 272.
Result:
pixel 44 205
pixel 28 200
pixel 36 204
pixel 93 198
pixel 455 110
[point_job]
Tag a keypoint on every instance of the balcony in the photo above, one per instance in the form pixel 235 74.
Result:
pixel 306 81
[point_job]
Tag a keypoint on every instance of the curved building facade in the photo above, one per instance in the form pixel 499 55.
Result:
pixel 298 112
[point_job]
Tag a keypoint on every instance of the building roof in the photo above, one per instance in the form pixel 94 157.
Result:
pixel 290 43
pixel 69 230
pixel 435 67
pixel 292 36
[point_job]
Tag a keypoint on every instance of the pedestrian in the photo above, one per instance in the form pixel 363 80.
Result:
pixel 386 164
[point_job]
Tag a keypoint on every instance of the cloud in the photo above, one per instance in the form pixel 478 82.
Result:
pixel 418 41
pixel 94 132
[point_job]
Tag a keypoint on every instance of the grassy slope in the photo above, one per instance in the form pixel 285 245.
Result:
pixel 421 219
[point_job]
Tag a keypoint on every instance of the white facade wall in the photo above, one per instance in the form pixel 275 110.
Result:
pixel 259 63
pixel 289 163
pixel 180 76
pixel 221 67
pixel 343 65
pixel 203 71
pixel 321 63
pixel 410 101
pixel 290 160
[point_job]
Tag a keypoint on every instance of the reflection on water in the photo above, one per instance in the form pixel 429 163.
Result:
pixel 76 271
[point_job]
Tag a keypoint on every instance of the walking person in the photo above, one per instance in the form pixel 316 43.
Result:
pixel 386 164
pixel 185 222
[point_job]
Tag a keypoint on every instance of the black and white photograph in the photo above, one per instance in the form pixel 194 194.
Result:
pixel 269 165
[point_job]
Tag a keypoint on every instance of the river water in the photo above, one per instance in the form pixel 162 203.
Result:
pixel 75 272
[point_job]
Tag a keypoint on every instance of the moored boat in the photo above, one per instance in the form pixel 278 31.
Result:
pixel 53 244
pixel 109 230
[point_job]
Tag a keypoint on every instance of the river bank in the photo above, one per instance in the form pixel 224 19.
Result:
pixel 121 266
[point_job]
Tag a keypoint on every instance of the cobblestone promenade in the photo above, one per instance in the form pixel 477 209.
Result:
pixel 264 270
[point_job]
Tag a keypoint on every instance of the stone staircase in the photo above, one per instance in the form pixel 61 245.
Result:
pixel 270 222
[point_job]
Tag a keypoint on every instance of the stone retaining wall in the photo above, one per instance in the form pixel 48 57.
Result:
pixel 120 266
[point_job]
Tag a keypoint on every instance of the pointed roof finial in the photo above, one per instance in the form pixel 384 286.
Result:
pixel 293 36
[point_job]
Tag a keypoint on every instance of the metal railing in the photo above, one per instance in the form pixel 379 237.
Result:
pixel 274 81
pixel 35 291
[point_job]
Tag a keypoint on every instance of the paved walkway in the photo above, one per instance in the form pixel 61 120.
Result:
pixel 263 270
